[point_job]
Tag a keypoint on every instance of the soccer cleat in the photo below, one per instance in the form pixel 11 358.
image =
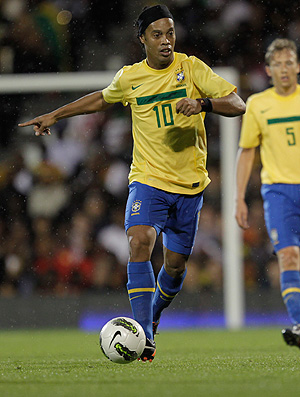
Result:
pixel 292 336
pixel 149 351
pixel 155 325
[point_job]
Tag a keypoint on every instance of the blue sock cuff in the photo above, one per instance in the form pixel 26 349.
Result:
pixel 289 276
pixel 290 291
pixel 289 279
pixel 139 267
pixel 170 283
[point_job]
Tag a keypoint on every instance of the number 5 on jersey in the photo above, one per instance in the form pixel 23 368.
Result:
pixel 291 136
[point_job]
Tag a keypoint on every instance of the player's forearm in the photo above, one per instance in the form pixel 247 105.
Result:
pixel 90 103
pixel 230 105
pixel 244 164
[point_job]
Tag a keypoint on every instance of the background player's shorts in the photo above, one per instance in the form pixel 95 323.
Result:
pixel 175 215
pixel 282 213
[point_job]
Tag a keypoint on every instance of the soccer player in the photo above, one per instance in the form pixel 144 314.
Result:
pixel 272 121
pixel 169 94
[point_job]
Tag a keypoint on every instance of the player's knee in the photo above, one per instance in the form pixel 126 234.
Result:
pixel 175 265
pixel 175 270
pixel 289 258
pixel 138 243
pixel 140 246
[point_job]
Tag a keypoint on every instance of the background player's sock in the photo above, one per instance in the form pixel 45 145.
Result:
pixel 290 291
pixel 141 287
pixel 166 290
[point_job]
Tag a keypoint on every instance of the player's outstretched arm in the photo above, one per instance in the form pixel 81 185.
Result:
pixel 245 159
pixel 90 103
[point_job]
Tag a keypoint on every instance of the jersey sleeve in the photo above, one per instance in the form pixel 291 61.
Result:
pixel 208 83
pixel 250 132
pixel 114 93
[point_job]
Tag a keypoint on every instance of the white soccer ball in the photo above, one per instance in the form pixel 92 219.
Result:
pixel 122 340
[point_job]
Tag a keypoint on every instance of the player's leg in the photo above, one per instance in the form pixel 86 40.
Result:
pixel 289 263
pixel 141 281
pixel 178 239
pixel 169 282
pixel 145 212
pixel 282 216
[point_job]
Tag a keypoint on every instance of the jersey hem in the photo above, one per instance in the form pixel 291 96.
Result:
pixel 176 189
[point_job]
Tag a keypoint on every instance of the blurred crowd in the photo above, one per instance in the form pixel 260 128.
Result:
pixel 62 197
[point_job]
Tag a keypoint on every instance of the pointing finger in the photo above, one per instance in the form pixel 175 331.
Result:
pixel 30 122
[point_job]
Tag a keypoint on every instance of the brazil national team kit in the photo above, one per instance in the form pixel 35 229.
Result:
pixel 170 149
pixel 168 173
pixel 272 122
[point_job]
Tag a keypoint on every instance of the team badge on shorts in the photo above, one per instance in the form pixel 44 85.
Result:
pixel 180 76
pixel 136 205
pixel 274 236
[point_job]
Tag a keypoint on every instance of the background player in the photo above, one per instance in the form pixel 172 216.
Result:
pixel 169 94
pixel 272 121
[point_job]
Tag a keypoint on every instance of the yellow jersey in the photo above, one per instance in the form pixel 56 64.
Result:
pixel 272 122
pixel 170 149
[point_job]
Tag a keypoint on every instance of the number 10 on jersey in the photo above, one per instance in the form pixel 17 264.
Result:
pixel 164 113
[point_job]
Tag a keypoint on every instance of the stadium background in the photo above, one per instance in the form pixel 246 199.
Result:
pixel 63 251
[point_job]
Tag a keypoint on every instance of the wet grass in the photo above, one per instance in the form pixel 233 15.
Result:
pixel 211 363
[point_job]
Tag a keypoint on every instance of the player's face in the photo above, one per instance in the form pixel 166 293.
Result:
pixel 283 70
pixel 159 41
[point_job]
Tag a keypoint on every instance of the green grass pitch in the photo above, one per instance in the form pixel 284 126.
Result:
pixel 247 363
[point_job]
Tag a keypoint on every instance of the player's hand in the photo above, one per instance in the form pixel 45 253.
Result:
pixel 241 213
pixel 188 107
pixel 41 124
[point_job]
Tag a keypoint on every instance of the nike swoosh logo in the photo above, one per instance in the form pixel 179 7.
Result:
pixel 134 88
pixel 265 110
pixel 115 335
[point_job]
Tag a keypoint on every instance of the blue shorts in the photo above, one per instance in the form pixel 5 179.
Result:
pixel 282 214
pixel 175 215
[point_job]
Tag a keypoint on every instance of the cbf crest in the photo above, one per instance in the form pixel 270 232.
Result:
pixel 136 205
pixel 274 236
pixel 180 76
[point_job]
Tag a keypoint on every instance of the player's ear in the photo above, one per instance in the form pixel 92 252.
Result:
pixel 268 71
pixel 142 39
